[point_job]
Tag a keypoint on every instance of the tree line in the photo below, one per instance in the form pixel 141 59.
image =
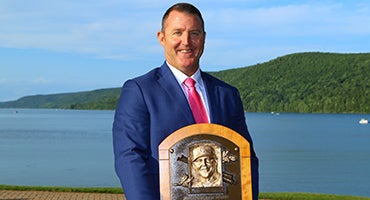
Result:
pixel 311 82
pixel 305 82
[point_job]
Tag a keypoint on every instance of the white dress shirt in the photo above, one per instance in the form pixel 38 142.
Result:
pixel 199 85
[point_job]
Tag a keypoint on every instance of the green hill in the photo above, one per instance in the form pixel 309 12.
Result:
pixel 102 99
pixel 301 82
pixel 305 82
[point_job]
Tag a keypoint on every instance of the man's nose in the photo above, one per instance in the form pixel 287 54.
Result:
pixel 185 38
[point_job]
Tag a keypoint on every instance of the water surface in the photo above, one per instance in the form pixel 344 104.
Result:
pixel 321 153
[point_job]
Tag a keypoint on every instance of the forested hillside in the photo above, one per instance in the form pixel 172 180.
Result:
pixel 305 82
pixel 302 82
pixel 102 99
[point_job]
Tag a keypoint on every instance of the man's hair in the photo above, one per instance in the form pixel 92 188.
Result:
pixel 185 8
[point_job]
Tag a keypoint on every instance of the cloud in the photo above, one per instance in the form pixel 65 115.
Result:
pixel 292 19
pixel 125 30
pixel 76 26
pixel 250 35
pixel 94 43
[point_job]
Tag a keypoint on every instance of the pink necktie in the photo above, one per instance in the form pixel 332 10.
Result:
pixel 196 104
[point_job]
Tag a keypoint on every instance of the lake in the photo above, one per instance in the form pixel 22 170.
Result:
pixel 320 153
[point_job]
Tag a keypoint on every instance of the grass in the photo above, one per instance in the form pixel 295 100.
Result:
pixel 307 196
pixel 264 195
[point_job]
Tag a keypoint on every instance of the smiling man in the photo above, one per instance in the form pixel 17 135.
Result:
pixel 170 97
pixel 182 37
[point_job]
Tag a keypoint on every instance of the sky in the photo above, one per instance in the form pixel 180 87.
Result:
pixel 49 47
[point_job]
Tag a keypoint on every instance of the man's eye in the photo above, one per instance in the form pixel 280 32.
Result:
pixel 177 33
pixel 195 33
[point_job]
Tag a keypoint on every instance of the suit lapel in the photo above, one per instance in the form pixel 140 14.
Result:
pixel 213 100
pixel 169 83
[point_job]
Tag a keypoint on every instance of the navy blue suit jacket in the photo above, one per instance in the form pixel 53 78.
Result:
pixel 153 106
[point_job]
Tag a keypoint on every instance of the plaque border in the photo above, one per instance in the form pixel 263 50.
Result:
pixel 210 129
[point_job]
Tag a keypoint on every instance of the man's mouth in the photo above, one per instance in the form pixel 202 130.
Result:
pixel 186 51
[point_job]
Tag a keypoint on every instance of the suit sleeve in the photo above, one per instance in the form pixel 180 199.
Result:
pixel 131 143
pixel 243 130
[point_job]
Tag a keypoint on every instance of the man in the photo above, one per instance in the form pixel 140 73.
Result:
pixel 154 105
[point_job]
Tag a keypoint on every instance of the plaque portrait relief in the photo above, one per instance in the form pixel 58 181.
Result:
pixel 205 165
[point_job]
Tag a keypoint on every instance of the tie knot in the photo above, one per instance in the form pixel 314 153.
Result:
pixel 189 82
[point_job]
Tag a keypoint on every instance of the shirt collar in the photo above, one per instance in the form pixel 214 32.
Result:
pixel 181 76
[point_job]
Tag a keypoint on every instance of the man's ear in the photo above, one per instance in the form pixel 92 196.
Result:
pixel 160 37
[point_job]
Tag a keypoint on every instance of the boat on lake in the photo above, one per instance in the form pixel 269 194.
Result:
pixel 363 121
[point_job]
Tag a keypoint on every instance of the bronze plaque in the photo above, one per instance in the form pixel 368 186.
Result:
pixel 202 166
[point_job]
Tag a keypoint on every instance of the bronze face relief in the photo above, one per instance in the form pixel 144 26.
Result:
pixel 205 165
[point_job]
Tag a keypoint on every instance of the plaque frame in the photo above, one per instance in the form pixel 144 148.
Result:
pixel 209 132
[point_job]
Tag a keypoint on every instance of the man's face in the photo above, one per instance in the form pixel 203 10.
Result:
pixel 205 166
pixel 183 39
